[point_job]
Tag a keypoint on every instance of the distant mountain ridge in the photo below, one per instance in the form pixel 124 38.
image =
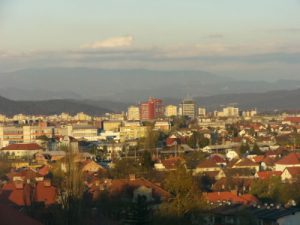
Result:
pixel 268 101
pixel 48 107
pixel 272 100
pixel 130 85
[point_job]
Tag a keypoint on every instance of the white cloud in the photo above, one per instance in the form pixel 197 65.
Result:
pixel 114 42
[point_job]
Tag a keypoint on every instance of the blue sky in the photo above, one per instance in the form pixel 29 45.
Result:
pixel 222 36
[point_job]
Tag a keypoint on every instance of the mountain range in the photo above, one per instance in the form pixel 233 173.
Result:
pixel 268 101
pixel 47 107
pixel 132 85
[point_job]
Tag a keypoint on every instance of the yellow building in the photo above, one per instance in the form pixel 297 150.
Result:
pixel 82 117
pixel 132 132
pixel 133 113
pixel 111 125
pixel 170 110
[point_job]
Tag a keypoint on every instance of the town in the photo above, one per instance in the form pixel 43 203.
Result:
pixel 153 164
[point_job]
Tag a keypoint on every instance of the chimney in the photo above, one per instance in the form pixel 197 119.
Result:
pixel 131 177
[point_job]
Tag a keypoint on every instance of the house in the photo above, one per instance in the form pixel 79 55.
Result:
pixel 233 198
pixel 291 160
pixel 290 174
pixel 207 165
pixel 91 166
pixel 240 185
pixel 246 163
pixel 22 150
pixel 21 193
pixel 128 189
pixel 215 175
pixel 263 175
pixel 168 164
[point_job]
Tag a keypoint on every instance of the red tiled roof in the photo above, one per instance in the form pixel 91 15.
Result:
pixel 45 193
pixel 291 159
pixel 258 158
pixel 208 163
pixel 171 163
pixel 218 158
pixel 267 174
pixel 245 162
pixel 249 198
pixel 121 186
pixel 29 146
pixel 294 171
pixel 229 196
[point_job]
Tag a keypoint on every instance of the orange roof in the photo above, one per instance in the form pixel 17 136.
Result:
pixel 208 163
pixel 121 186
pixel 45 193
pixel 291 159
pixel 258 158
pixel 171 163
pixel 229 196
pixel 245 162
pixel 267 174
pixel 29 146
pixel 294 171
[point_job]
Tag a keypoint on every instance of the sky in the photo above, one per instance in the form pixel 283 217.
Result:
pixel 238 38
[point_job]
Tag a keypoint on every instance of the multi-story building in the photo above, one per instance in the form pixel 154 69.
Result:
pixel 12 134
pixel 152 109
pixel 132 131
pixel 201 112
pixel 112 125
pixel 250 113
pixel 133 113
pixel 170 110
pixel 188 108
pixel 85 131
pixel 82 117
pixel 228 112
pixel 162 125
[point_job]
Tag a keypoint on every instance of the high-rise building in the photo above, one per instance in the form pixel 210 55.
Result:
pixel 170 110
pixel 152 109
pixel 188 108
pixel 133 113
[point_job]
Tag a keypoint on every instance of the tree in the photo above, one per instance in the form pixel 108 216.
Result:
pixel 244 148
pixel 68 179
pixel 185 192
pixel 126 166
pixel 138 213
pixel 147 161
pixel 256 150
pixel 151 139
pixel 197 140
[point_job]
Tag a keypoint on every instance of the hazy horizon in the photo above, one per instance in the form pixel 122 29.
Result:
pixel 256 40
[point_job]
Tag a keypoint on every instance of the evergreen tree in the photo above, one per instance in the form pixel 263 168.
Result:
pixel 138 212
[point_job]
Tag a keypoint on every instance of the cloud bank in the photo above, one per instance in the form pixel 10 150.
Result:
pixel 114 42
pixel 245 60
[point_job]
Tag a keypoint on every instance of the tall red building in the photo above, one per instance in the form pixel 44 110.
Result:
pixel 152 109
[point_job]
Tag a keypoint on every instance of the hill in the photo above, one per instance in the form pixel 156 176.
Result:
pixel 49 107
pixel 131 85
